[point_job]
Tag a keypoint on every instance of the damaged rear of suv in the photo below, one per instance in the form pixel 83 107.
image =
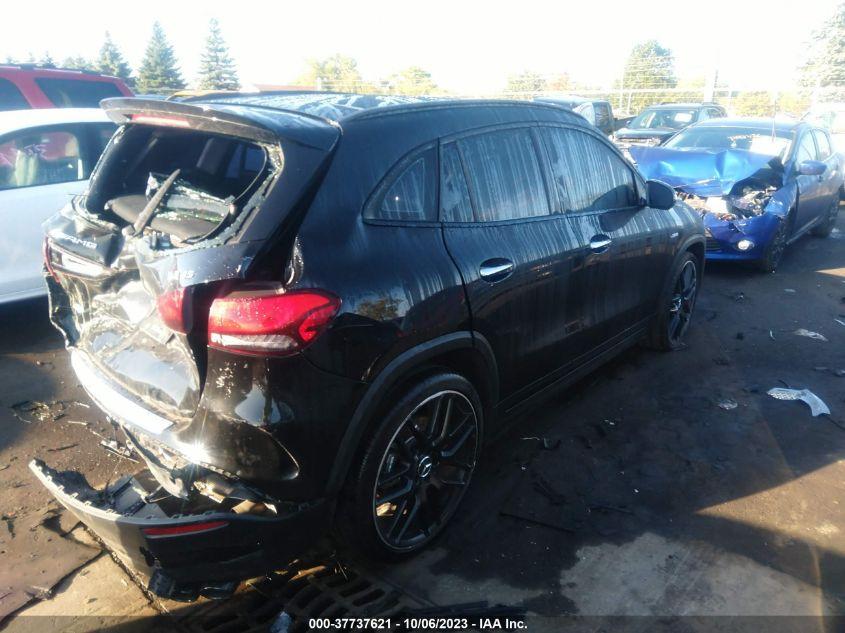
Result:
pixel 306 311
pixel 181 205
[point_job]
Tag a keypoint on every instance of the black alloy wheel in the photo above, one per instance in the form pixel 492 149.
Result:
pixel 774 253
pixel 682 302
pixel 425 470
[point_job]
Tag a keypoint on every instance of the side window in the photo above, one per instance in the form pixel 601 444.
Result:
pixel 715 113
pixel 588 176
pixel 40 157
pixel 823 144
pixel 454 195
pixel 70 93
pixel 806 149
pixel 704 114
pixel 504 176
pixel 409 192
pixel 10 97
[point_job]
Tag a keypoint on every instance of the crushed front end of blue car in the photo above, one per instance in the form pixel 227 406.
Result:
pixel 740 194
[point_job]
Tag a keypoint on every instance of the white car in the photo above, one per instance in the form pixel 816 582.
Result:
pixel 46 157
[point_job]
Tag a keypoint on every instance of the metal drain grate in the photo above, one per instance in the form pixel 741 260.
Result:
pixel 325 592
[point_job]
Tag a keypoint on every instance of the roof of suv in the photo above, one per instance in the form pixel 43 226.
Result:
pixel 316 118
pixel 339 107
pixel 334 106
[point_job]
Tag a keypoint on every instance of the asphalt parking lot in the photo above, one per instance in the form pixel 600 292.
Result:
pixel 632 494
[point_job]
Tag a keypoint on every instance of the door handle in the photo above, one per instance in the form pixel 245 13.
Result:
pixel 600 243
pixel 495 269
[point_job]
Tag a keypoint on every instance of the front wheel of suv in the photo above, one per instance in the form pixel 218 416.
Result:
pixel 413 471
pixel 676 305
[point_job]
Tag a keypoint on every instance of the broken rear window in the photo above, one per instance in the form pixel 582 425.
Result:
pixel 181 182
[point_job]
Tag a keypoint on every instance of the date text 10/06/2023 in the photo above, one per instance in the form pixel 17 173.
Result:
pixel 417 624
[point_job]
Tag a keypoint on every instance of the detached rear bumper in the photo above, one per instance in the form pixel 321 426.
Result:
pixel 182 554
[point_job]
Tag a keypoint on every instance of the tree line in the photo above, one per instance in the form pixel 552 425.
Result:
pixel 648 75
pixel 159 72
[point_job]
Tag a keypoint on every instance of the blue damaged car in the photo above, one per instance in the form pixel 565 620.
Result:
pixel 760 184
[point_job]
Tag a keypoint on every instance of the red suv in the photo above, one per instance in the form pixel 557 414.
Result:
pixel 27 86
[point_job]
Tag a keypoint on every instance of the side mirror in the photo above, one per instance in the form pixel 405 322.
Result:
pixel 811 168
pixel 659 195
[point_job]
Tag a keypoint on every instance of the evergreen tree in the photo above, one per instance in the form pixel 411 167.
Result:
pixel 47 60
pixel 159 71
pixel 217 69
pixel 111 62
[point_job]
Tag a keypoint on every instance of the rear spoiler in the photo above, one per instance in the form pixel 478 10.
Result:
pixel 261 125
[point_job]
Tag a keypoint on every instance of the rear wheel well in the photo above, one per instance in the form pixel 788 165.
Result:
pixel 464 361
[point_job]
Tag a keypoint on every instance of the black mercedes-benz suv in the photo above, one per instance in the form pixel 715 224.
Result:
pixel 307 311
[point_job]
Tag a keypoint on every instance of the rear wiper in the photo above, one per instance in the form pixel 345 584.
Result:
pixel 149 210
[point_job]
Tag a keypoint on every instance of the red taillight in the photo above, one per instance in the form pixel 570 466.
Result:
pixel 159 119
pixel 269 323
pixel 182 530
pixel 173 308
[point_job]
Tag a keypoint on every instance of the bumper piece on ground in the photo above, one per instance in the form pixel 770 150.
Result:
pixel 184 548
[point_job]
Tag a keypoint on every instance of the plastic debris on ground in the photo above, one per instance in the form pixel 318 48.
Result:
pixel 816 404
pixel 117 448
pixel 810 334
pixel 546 443
pixel 727 404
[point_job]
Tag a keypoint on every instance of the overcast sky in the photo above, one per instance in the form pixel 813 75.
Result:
pixel 468 46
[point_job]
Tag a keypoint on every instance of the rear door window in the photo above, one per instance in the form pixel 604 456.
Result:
pixel 587 175
pixel 42 156
pixel 69 93
pixel 454 195
pixel 408 193
pixel 10 97
pixel 505 181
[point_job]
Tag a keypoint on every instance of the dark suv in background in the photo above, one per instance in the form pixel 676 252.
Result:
pixel 657 123
pixel 308 310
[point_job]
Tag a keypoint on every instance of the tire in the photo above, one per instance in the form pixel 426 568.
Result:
pixel 410 475
pixel 676 306
pixel 826 228
pixel 774 252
